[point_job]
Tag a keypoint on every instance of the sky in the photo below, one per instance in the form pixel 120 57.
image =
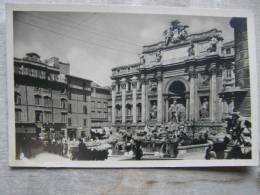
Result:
pixel 94 43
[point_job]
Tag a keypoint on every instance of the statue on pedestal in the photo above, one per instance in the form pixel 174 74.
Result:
pixel 204 110
pixel 158 56
pixel 153 113
pixel 214 43
pixel 173 112
pixel 191 51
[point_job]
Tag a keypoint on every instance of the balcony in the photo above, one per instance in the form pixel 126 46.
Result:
pixel 118 98
pixel 118 119
pixel 129 97
pixel 129 118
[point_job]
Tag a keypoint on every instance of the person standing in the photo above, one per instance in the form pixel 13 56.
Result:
pixel 82 148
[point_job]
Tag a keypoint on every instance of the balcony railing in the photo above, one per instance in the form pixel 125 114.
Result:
pixel 129 118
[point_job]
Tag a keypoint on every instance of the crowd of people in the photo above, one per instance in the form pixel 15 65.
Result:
pixel 59 146
pixel 235 144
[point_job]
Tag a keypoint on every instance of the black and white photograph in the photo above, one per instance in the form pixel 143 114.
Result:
pixel 125 88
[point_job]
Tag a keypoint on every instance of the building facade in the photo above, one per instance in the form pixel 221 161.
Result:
pixel 100 106
pixel 40 96
pixel 49 99
pixel 79 91
pixel 191 72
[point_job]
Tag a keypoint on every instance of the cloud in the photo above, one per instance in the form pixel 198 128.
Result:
pixel 101 41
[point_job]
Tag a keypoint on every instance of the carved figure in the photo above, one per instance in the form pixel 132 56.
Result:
pixel 191 51
pixel 142 59
pixel 175 33
pixel 173 112
pixel 153 86
pixel 158 56
pixel 204 110
pixel 153 113
pixel 181 115
pixel 214 43
pixel 167 35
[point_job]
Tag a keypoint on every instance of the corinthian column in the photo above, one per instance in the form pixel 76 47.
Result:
pixel 219 89
pixel 134 85
pixel 143 99
pixel 213 92
pixel 159 99
pixel 193 76
pixel 123 87
pixel 113 102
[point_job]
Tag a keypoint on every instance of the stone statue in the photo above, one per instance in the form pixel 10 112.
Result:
pixel 167 35
pixel 173 112
pixel 191 51
pixel 153 86
pixel 142 60
pixel 181 112
pixel 204 110
pixel 175 33
pixel 158 56
pixel 153 113
pixel 214 43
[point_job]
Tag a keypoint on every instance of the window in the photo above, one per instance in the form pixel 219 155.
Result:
pixel 69 121
pixel 43 75
pixel 50 77
pixel 30 72
pixel 18 69
pixel 69 108
pixel 48 117
pixel 25 71
pixel 47 101
pixel 84 97
pixel 63 117
pixel 37 99
pixel 17 98
pixel 228 73
pixel 55 77
pixel 69 95
pixel 105 105
pixel 63 103
pixel 83 134
pixel 38 116
pixel 228 51
pixel 39 74
pixel 18 114
pixel 63 91
pixel 85 110
pixel 34 72
pixel 93 104
pixel 85 122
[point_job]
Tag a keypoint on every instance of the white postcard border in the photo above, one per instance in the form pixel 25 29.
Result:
pixel 135 10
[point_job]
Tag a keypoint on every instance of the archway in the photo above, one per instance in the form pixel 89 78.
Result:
pixel 176 91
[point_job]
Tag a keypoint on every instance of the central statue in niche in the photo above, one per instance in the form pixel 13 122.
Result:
pixel 177 112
